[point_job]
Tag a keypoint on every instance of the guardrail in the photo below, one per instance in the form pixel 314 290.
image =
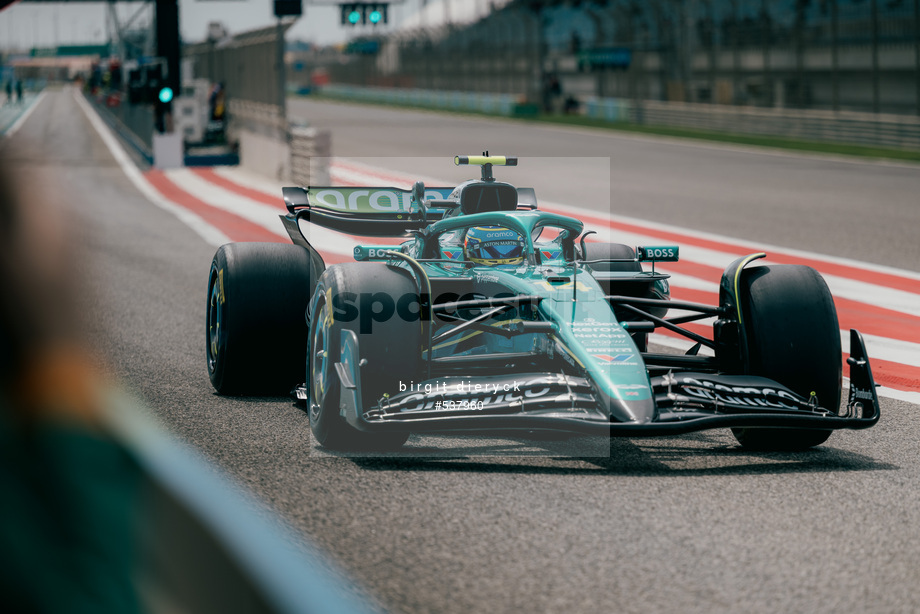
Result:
pixel 876 130
pixel 494 104
pixel 610 109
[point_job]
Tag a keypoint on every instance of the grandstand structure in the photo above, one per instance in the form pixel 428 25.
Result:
pixel 859 55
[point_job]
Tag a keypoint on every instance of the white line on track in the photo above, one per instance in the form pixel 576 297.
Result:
pixel 206 231
pixel 895 350
pixel 22 118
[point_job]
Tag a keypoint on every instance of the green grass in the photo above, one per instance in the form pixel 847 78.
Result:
pixel 821 147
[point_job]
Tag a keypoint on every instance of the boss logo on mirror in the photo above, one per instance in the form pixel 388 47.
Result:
pixel 667 253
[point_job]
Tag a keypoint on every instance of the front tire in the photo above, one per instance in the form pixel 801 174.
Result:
pixel 792 337
pixel 390 346
pixel 255 322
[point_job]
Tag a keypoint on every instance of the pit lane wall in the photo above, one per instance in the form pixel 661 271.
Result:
pixel 272 147
pixel 879 130
pixel 262 133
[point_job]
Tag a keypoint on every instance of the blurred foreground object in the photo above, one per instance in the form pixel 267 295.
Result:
pixel 100 511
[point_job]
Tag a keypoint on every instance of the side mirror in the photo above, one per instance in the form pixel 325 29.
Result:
pixel 418 198
pixel 418 192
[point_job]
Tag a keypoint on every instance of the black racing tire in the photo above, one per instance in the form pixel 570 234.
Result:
pixel 256 318
pixel 792 337
pixel 601 251
pixel 391 349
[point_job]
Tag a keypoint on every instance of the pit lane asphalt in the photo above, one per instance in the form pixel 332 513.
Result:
pixel 687 524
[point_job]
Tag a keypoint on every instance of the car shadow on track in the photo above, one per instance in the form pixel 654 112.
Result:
pixel 699 454
pixel 704 453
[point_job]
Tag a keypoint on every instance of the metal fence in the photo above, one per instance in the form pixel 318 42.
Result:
pixel 876 130
pixel 824 54
pixel 247 66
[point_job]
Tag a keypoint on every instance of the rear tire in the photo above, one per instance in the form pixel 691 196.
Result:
pixel 255 322
pixel 391 348
pixel 793 337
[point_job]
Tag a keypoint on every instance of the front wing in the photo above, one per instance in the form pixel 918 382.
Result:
pixel 685 402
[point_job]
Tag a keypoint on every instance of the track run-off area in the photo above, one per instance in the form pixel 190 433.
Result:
pixel 684 524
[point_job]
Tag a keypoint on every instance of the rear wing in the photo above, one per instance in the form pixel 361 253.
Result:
pixel 376 211
pixel 365 211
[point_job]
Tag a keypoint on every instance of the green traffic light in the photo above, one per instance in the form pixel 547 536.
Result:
pixel 166 94
pixel 375 16
pixel 354 17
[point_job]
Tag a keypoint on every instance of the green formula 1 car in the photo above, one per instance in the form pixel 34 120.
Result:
pixel 493 315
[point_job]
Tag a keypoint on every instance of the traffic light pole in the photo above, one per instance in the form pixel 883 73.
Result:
pixel 282 77
pixel 167 31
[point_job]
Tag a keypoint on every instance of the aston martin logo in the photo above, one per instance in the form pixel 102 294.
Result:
pixel 614 358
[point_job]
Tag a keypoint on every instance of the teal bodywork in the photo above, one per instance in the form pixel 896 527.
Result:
pixel 585 333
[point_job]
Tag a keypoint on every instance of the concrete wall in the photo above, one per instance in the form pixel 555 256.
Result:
pixel 265 155
pixel 262 134
pixel 311 153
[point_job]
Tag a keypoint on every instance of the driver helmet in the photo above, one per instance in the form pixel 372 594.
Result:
pixel 493 246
